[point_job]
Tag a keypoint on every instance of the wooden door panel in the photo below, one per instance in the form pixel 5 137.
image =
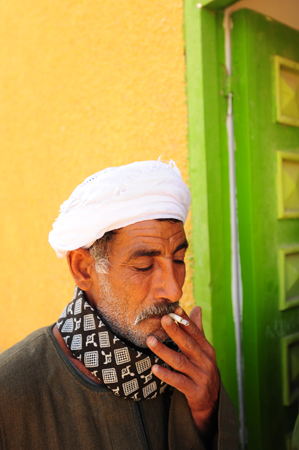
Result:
pixel 265 71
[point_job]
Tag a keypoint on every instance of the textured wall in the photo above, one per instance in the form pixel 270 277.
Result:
pixel 84 84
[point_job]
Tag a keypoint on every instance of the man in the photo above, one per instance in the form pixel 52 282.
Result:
pixel 116 371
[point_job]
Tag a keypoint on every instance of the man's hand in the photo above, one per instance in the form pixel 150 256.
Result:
pixel 196 373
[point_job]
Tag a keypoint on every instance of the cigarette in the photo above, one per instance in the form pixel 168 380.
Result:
pixel 179 319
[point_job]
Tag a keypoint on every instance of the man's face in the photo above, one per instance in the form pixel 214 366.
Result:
pixel 146 274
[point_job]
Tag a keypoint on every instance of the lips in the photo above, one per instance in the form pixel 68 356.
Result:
pixel 155 318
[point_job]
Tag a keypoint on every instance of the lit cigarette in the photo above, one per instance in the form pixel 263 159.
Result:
pixel 179 319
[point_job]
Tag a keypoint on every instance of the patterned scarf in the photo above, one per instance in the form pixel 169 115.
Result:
pixel 121 367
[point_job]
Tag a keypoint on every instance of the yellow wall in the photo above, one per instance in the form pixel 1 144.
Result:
pixel 84 84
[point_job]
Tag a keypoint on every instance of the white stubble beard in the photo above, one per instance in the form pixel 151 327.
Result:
pixel 112 308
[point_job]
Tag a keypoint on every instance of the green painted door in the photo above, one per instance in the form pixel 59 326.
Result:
pixel 265 81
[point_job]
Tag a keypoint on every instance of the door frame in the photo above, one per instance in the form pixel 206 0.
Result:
pixel 208 89
pixel 207 100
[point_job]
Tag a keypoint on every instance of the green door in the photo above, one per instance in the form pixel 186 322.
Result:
pixel 265 80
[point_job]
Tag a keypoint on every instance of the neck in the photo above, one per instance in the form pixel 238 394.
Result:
pixel 80 366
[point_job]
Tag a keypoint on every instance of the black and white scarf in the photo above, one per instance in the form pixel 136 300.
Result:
pixel 121 367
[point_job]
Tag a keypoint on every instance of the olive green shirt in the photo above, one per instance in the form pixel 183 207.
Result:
pixel 46 403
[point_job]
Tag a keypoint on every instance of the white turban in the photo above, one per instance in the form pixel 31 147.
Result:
pixel 116 197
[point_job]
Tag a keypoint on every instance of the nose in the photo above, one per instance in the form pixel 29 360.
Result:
pixel 169 281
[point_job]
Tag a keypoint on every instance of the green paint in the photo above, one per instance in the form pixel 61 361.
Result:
pixel 197 166
pixel 290 365
pixel 288 260
pixel 208 164
pixel 288 185
pixel 255 42
pixel 220 222
pixel 287 91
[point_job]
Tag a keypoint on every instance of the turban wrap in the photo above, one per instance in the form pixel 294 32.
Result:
pixel 117 197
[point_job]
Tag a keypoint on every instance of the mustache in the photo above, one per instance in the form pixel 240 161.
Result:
pixel 160 309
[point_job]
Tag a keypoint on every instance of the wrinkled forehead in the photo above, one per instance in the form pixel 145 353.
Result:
pixel 157 235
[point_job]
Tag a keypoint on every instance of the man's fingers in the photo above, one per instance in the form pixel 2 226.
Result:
pixel 176 360
pixel 188 376
pixel 193 330
pixel 190 339
pixel 196 317
pixel 175 379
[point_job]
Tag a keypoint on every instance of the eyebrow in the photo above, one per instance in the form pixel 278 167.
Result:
pixel 147 252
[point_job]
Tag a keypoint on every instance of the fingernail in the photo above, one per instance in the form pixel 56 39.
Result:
pixel 167 320
pixel 155 368
pixel 151 340
pixel 179 311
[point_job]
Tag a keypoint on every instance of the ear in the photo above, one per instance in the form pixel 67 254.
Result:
pixel 80 264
